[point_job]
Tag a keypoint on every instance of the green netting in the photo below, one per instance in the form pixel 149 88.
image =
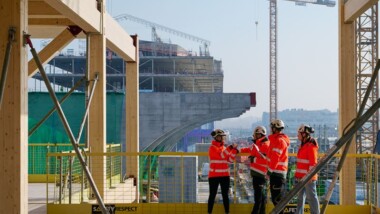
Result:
pixel 52 130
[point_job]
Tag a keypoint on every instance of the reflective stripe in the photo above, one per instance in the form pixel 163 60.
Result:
pixel 231 159
pixel 282 163
pixel 219 170
pixel 302 161
pixel 225 152
pixel 303 171
pixel 258 170
pixel 280 171
pixel 233 155
pixel 277 150
pixel 218 161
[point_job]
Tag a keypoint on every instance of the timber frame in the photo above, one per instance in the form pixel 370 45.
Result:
pixel 349 12
pixel 62 21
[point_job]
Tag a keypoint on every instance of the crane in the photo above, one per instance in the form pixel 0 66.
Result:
pixel 155 27
pixel 273 49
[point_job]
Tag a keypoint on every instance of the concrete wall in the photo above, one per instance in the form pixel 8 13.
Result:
pixel 166 117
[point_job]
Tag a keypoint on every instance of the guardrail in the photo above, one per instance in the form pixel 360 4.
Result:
pixel 175 177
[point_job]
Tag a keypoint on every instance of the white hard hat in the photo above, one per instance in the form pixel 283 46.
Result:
pixel 306 128
pixel 218 132
pixel 260 130
pixel 276 123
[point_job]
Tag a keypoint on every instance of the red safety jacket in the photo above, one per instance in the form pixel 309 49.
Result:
pixel 307 158
pixel 259 150
pixel 220 156
pixel 278 154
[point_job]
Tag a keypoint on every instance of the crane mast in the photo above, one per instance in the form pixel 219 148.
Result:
pixel 273 98
pixel 273 59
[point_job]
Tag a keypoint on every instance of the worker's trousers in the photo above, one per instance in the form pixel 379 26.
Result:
pixel 310 191
pixel 259 186
pixel 277 188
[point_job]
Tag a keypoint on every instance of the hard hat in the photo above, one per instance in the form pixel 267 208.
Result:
pixel 306 128
pixel 260 130
pixel 276 123
pixel 217 132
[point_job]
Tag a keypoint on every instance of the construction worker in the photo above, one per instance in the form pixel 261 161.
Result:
pixel 259 166
pixel 219 172
pixel 278 160
pixel 307 158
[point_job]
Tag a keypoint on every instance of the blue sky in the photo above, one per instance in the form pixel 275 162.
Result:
pixel 307 45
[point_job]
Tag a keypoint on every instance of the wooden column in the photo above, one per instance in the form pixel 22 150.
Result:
pixel 14 111
pixel 132 115
pixel 347 103
pixel 97 115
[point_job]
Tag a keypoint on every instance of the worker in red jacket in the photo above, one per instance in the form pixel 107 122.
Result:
pixel 259 164
pixel 306 159
pixel 219 173
pixel 278 160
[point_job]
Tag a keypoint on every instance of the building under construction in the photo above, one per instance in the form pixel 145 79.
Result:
pixel 163 68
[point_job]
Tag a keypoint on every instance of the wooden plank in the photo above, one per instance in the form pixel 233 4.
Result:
pixel 83 13
pixel 14 112
pixel 132 115
pixel 354 8
pixel 118 40
pixel 51 50
pixel 347 103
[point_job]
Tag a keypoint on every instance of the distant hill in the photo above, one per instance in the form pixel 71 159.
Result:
pixel 237 123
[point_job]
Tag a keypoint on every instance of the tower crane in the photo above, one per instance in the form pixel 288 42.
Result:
pixel 273 49
pixel 155 27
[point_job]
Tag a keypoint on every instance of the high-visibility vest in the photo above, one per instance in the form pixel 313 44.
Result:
pixel 259 150
pixel 307 157
pixel 278 153
pixel 220 156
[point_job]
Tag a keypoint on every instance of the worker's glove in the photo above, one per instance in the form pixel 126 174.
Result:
pixel 233 147
pixel 251 158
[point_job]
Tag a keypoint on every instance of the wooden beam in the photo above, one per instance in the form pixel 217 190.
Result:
pixel 48 32
pixel 118 40
pixel 50 22
pixel 354 8
pixel 51 50
pixel 347 103
pixel 132 116
pixel 39 8
pixel 14 111
pixel 83 13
